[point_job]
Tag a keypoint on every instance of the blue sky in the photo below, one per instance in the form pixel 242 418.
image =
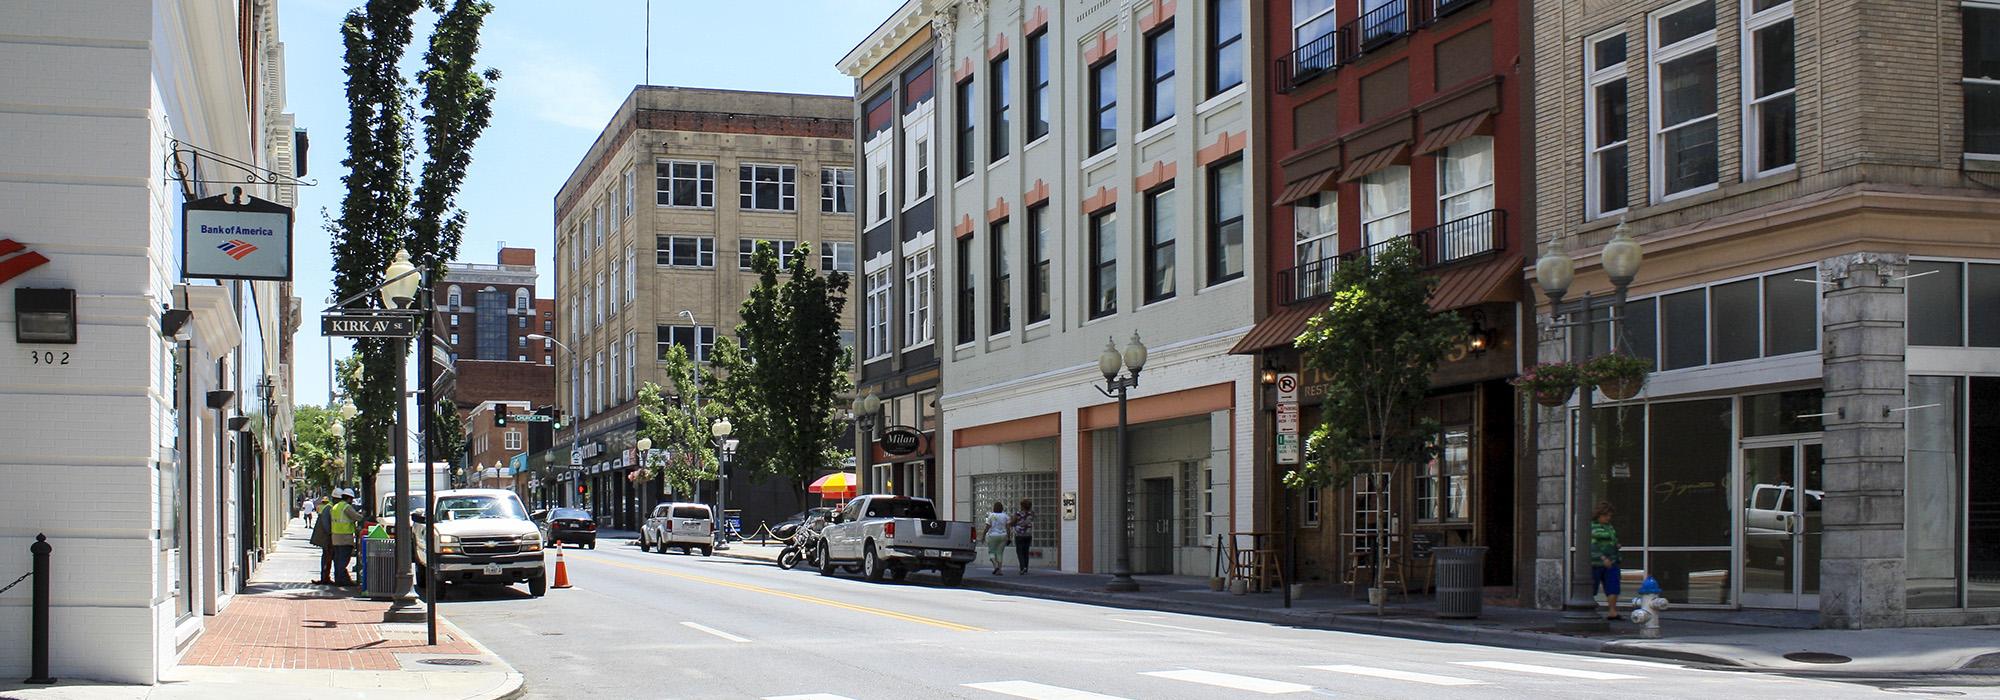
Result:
pixel 565 65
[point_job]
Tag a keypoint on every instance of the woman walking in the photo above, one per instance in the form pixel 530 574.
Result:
pixel 996 534
pixel 1023 526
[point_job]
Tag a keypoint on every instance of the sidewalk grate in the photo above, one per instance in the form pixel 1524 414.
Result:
pixel 452 662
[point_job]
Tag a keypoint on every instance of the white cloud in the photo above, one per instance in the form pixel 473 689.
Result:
pixel 554 85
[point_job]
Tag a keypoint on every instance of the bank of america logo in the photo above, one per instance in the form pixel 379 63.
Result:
pixel 236 249
pixel 13 261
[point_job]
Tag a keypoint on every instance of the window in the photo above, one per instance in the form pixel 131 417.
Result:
pixel 603 397
pixel 921 184
pixel 1982 77
pixel 835 256
pixel 1160 75
pixel 968 323
pixel 631 190
pixel 879 209
pixel 454 320
pixel 454 339
pixel 631 274
pixel 999 264
pixel 611 213
pixel 612 299
pixel 617 387
pixel 1225 45
pixel 631 363
pixel 1159 256
pixel 698 340
pixel 1604 114
pixel 1038 84
pixel 747 247
pixel 918 82
pixel 836 190
pixel 1103 127
pixel 1465 196
pixel 513 441
pixel 1038 263
pixel 1225 221
pixel 686 251
pixel 999 104
pixel 521 342
pixel 1948 299
pixel 766 187
pixel 522 358
pixel 1311 19
pixel 454 297
pixel 683 183
pixel 1770 114
pixel 961 112
pixel 1385 205
pixel 917 269
pixel 878 314
pixel 597 226
pixel 1683 98
pixel 597 305
pixel 1103 263
pixel 1768 316
pixel 1315 244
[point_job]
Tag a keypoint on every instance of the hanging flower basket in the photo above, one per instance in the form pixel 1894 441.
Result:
pixel 1550 382
pixel 1619 376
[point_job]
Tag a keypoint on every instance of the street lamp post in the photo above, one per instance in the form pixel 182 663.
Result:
pixel 1120 387
pixel 864 423
pixel 400 292
pixel 575 406
pixel 1553 273
pixel 721 430
pixel 347 413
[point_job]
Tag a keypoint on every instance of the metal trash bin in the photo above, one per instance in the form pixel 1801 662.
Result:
pixel 1460 581
pixel 379 574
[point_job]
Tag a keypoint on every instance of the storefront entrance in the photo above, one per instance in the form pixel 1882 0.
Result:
pixel 1781 524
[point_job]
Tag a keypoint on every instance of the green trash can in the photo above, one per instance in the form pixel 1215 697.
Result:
pixel 1461 581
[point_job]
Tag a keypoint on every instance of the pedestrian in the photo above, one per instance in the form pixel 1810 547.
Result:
pixel 344 517
pixel 322 537
pixel 996 534
pixel 1024 538
pixel 306 508
pixel 1604 557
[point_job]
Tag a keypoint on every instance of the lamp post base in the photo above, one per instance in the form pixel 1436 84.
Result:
pixel 1581 620
pixel 1122 583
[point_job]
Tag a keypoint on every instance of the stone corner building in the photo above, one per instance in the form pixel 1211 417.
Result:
pixel 1812 184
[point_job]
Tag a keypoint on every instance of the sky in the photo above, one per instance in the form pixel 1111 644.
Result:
pixel 565 66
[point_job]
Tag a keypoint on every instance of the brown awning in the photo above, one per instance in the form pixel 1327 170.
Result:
pixel 1377 160
pixel 1278 329
pixel 1312 185
pixel 1498 279
pixel 1436 139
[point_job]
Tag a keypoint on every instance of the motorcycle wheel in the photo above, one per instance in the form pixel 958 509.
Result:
pixel 788 558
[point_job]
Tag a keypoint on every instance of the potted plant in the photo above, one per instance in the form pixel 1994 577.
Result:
pixel 1618 375
pixel 1550 382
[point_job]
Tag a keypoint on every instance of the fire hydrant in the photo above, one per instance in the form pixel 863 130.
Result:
pixel 1646 608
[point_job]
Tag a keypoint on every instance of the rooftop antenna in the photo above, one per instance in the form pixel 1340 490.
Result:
pixel 649 42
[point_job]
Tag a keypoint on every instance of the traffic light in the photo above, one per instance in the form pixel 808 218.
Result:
pixel 557 425
pixel 582 490
pixel 500 416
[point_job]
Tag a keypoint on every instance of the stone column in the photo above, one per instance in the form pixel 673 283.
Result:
pixel 1551 462
pixel 1862 555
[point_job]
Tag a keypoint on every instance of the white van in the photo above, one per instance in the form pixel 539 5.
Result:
pixel 687 526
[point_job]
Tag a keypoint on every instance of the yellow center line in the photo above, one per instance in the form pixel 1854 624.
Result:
pixel 794 596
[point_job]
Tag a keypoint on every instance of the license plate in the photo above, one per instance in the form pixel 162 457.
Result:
pixel 492 570
pixel 933 552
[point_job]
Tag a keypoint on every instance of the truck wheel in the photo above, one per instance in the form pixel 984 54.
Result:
pixel 707 550
pixel 539 585
pixel 952 575
pixel 644 546
pixel 825 561
pixel 871 565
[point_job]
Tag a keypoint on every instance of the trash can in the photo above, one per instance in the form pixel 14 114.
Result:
pixel 379 576
pixel 1460 581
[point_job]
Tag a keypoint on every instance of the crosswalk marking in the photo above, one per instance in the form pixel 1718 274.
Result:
pixel 1037 691
pixel 713 631
pixel 1231 681
pixel 1634 662
pixel 1393 674
pixel 1548 670
pixel 809 696
pixel 1171 627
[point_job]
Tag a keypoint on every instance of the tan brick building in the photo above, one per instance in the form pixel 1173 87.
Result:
pixel 1812 185
pixel 653 234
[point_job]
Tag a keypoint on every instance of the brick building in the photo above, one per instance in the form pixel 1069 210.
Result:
pixel 486 311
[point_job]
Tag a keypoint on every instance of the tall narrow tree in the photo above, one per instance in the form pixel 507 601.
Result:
pixel 781 388
pixel 677 423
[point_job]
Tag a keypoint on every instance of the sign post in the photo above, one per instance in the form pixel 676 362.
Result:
pixel 1288 418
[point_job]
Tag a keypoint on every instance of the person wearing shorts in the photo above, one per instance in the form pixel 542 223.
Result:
pixel 1604 558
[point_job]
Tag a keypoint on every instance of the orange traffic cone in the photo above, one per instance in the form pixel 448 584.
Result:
pixel 562 571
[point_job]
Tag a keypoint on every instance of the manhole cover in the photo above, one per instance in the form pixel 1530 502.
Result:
pixel 1816 657
pixel 452 662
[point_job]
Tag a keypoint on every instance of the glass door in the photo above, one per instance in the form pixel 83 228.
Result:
pixel 1779 553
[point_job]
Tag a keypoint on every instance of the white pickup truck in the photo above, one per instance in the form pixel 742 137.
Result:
pixel 895 535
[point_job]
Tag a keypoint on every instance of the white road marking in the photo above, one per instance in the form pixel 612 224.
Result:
pixel 1231 681
pixel 1548 670
pixel 1393 674
pixel 1171 627
pixel 811 696
pixel 1037 691
pixel 713 631
pixel 1634 662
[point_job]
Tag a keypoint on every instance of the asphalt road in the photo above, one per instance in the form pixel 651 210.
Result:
pixel 640 625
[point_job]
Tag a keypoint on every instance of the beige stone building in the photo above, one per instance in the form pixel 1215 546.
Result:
pixel 1812 183
pixel 653 237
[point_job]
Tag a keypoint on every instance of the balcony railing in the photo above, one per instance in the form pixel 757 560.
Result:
pixel 1380 26
pixel 1313 59
pixel 1450 242
pixel 1440 8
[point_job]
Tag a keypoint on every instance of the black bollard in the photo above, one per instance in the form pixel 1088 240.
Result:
pixel 39 664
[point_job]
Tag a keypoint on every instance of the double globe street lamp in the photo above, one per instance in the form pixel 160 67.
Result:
pixel 1120 387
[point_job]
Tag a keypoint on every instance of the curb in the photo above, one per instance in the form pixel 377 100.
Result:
pixel 516 684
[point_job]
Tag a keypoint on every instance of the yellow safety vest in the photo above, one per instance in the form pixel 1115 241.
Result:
pixel 341 525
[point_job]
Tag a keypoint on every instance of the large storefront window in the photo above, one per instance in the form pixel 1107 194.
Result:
pixel 1952 492
pixel 1670 497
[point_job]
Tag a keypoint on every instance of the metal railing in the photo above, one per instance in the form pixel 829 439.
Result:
pixel 1440 8
pixel 1311 60
pixel 1380 26
pixel 1444 244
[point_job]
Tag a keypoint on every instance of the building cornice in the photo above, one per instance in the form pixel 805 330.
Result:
pixel 900 26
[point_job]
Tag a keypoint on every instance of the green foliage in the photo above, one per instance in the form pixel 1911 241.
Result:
pixel 781 387
pixel 315 451
pixel 447 435
pixel 1557 377
pixel 1612 367
pixel 678 424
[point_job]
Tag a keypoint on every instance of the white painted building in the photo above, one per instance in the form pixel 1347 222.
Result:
pixel 152 463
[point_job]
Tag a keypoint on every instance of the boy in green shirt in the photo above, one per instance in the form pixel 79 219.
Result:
pixel 1604 556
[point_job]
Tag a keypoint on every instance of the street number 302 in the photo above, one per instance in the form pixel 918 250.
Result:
pixel 49 357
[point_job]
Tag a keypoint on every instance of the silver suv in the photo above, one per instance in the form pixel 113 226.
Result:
pixel 685 525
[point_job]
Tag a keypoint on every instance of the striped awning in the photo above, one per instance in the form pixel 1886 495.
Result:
pixel 1437 139
pixel 1498 279
pixel 1311 185
pixel 1279 328
pixel 1374 161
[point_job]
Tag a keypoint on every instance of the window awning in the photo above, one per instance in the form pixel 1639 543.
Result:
pixel 1437 139
pixel 1498 279
pixel 1278 329
pixel 1374 161
pixel 1311 185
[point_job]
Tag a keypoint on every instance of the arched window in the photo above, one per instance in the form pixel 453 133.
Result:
pixel 452 296
pixel 521 299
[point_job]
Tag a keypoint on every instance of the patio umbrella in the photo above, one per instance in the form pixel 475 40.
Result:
pixel 838 486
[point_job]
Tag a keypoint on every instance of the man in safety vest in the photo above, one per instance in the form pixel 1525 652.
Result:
pixel 344 518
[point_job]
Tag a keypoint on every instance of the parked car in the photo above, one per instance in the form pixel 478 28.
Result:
pixel 784 529
pixel 483 536
pixel 895 535
pixel 575 526
pixel 688 526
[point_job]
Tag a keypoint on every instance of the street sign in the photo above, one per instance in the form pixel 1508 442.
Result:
pixel 1288 449
pixel 1069 505
pixel 364 325
pixel 529 418
pixel 1288 419
pixel 575 458
pixel 1288 388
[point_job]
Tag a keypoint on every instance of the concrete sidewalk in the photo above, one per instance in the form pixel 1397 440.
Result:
pixel 285 637
pixel 1700 637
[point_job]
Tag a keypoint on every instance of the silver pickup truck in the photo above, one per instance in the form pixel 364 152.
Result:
pixel 895 535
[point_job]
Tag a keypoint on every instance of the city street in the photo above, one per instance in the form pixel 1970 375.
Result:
pixel 641 625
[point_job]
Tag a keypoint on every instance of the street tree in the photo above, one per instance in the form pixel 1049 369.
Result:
pixel 677 422
pixel 315 451
pixel 781 382
pixel 1378 343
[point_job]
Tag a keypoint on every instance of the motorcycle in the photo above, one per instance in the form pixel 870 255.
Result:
pixel 802 544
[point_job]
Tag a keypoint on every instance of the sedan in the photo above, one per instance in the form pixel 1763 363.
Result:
pixel 783 529
pixel 572 526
